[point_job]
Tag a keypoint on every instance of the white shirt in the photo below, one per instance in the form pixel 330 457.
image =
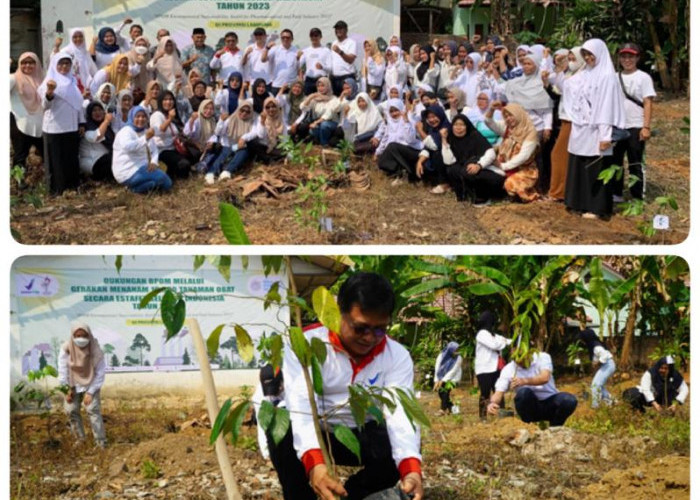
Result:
pixel 27 123
pixel 102 77
pixel 540 361
pixel 311 56
pixel 640 85
pixel 60 117
pixel 163 139
pixel 390 368
pixel 601 354
pixel 227 63
pixel 130 152
pixel 455 373
pixel 284 65
pixel 488 348
pixel 647 389
pixel 338 65
pixel 64 379
pixel 255 68
pixel 375 72
pixel 91 150
pixel 102 59
pixel 221 131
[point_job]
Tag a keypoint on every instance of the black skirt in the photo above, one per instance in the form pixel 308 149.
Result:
pixel 584 192
pixel 63 168
pixel 398 158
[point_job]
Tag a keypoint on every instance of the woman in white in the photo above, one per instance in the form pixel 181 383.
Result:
pixel 135 156
pixel 166 63
pixel 412 58
pixel 486 358
pixel 396 71
pixel 139 55
pixel 373 69
pixel 428 70
pixel 599 356
pixel 324 110
pixel 105 97
pixel 472 79
pixel 63 116
pixel 118 73
pixel 106 47
pixel 84 68
pixel 596 107
pixel 26 112
pixel 363 113
pixel 125 101
pixel 448 373
pixel 97 142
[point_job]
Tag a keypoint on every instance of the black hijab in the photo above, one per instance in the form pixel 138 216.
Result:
pixel 590 339
pixel 487 321
pixel 176 121
pixel 259 100
pixel 196 101
pixel 665 389
pixel 91 124
pixel 471 147
pixel 423 66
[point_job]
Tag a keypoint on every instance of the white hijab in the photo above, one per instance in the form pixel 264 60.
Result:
pixel 66 85
pixel 83 65
pixel 528 90
pixel 366 120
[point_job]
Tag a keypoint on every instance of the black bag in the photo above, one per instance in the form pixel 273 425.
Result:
pixel 630 97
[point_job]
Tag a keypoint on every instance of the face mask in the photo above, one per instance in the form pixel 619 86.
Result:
pixel 140 50
pixel 573 66
pixel 81 341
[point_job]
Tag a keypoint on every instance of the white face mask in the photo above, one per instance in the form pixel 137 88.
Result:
pixel 140 50
pixel 81 341
pixel 574 66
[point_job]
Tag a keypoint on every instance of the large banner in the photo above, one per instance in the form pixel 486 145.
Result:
pixel 50 292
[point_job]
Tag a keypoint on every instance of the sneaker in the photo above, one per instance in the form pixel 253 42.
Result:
pixel 397 182
pixel 225 175
pixel 481 203
pixel 618 198
pixel 209 178
pixel 589 215
pixel 439 189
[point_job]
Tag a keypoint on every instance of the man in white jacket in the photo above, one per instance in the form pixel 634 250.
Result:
pixel 360 353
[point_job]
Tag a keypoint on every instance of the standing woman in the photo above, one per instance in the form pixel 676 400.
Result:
pixel 260 94
pixel 150 101
pixel 448 373
pixel 595 108
pixel 125 101
pixel 63 117
pixel 84 67
pixel 26 112
pixel 396 71
pixel 81 366
pixel 140 55
pixel 118 73
pixel 97 142
pixel 106 48
pixel 373 70
pixel 488 349
pixel 168 126
pixel 599 355
pixel 166 63
pixel 428 70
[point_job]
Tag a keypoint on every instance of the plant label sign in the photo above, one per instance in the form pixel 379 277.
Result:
pixel 661 222
pixel 326 224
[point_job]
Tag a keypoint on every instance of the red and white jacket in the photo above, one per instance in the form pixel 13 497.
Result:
pixel 388 365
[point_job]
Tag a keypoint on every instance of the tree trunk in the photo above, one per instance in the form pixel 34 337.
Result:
pixel 661 65
pixel 671 13
pixel 631 322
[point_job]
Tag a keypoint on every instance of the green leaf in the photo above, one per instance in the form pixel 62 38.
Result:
pixel 318 347
pixel 316 376
pixel 272 296
pixel 246 349
pixel 198 261
pixel 224 267
pixel 118 263
pixel 377 414
pixel 235 420
pixel 276 346
pixel 348 439
pixel 280 425
pixel 172 312
pixel 326 308
pixel 300 346
pixel 358 405
pixel 219 422
pixel 244 262
pixel 427 286
pixel 480 289
pixel 213 341
pixel 266 414
pixel 412 408
pixel 493 274
pixel 50 371
pixel 150 296
pixel 232 225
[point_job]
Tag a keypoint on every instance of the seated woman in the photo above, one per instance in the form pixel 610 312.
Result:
pixel 226 99
pixel 456 102
pixel 234 135
pixel 150 101
pixel 199 94
pixel 105 97
pixel 394 92
pixel 662 387
pixel 363 114
pixel 477 115
pixel 397 145
pixel 135 156
pixel 291 101
pixel 200 129
pixel 96 144
pixel 119 73
pixel 259 94
pixel 168 126
pixel 516 154
pixel 322 109
pixel 125 101
pixel 268 132
pixel 430 165
pixel 469 158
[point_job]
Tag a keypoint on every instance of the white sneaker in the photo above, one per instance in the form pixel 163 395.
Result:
pixel 225 175
pixel 209 178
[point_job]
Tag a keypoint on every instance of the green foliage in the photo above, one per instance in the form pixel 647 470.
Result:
pixel 326 308
pixel 232 225
pixel 213 341
pixel 348 439
pixel 686 129
pixel 36 390
pixel 149 469
pixel 574 351
pixel 172 312
pixel 32 196
pixel 312 202
pixel 347 148
pixel 612 172
pixel 245 344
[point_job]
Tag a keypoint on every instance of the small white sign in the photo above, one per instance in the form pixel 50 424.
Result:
pixel 661 222
pixel 577 362
pixel 326 224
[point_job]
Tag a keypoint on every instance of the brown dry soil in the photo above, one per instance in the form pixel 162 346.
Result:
pixel 382 214
pixel 611 453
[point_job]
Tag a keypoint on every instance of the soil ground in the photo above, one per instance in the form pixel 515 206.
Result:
pixel 382 214
pixel 609 453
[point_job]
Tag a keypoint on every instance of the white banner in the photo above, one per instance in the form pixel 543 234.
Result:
pixel 50 292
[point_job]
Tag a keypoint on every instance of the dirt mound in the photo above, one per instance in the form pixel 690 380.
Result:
pixel 667 478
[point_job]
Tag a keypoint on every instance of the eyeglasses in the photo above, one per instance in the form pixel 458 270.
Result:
pixel 244 110
pixel 361 330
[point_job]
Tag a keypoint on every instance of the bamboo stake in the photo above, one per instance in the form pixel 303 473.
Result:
pixel 213 407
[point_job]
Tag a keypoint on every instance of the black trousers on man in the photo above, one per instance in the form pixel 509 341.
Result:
pixel 634 148
pixel 379 470
pixel 337 83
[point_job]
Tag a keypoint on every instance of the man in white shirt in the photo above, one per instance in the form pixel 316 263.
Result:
pixel 343 57
pixel 252 61
pixel 638 89
pixel 536 396
pixel 316 61
pixel 360 353
pixel 283 61
pixel 135 31
pixel 228 59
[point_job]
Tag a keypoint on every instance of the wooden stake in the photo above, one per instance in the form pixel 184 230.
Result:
pixel 213 407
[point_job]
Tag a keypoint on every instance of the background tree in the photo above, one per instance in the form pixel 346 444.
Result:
pixel 139 344
pixel 186 358
pixel 115 361
pixel 232 345
pixel 42 361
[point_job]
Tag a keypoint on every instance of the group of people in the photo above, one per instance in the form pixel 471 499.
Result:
pixel 475 120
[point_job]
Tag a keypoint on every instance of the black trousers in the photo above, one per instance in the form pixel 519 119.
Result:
pixel 397 158
pixel 634 149
pixel 61 162
pixel 487 383
pixel 178 165
pixel 102 169
pixel 310 85
pixel 555 409
pixel 544 164
pixel 337 83
pixel 21 143
pixel 379 470
pixel 445 402
pixel 483 185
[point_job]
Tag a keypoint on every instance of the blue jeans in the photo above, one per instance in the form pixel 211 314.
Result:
pixel 556 409
pixel 598 389
pixel 238 160
pixel 144 181
pixel 324 131
pixel 216 166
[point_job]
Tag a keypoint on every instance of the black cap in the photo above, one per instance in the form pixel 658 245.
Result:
pixel 259 32
pixel 630 48
pixel 315 32
pixel 340 25
pixel 198 31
